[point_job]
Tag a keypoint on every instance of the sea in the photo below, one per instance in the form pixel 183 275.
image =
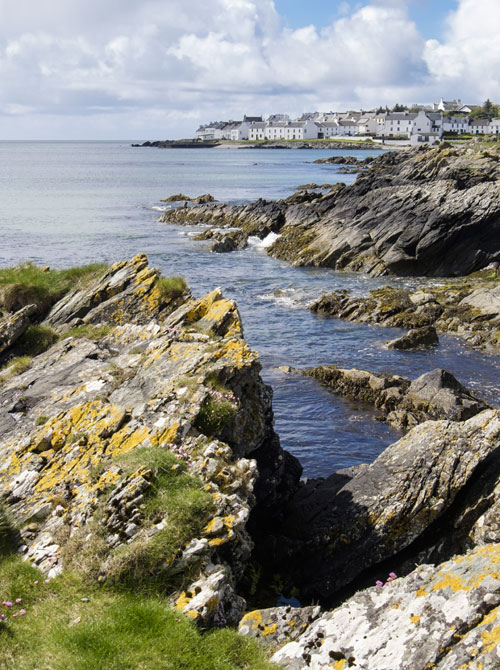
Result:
pixel 70 203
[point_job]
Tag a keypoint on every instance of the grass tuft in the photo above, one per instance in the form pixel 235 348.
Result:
pixel 27 284
pixel 171 287
pixel 89 331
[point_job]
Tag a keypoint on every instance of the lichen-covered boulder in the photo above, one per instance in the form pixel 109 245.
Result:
pixel 131 458
pixel 444 617
pixel 128 293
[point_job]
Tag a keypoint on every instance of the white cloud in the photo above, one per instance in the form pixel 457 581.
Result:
pixel 162 66
pixel 468 59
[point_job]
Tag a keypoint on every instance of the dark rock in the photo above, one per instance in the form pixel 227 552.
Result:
pixel 434 395
pixel 432 211
pixel 337 528
pixel 416 339
pixel 338 160
pixel 224 242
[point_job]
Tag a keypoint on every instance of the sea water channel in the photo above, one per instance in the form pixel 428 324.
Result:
pixel 69 203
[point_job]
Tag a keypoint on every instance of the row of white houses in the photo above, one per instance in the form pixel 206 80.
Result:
pixel 422 126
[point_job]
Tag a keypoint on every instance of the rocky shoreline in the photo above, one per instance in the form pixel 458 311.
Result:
pixel 149 398
pixel 422 212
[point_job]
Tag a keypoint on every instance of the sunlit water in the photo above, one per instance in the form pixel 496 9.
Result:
pixel 70 203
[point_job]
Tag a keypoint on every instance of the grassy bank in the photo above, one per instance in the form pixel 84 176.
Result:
pixel 67 623
pixel 27 284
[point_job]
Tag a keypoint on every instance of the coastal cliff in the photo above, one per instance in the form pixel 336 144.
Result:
pixel 424 211
pixel 138 455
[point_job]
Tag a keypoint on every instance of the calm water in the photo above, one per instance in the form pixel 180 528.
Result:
pixel 71 203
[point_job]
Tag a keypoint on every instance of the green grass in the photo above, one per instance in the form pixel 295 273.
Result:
pixel 36 340
pixel 16 366
pixel 27 283
pixel 6 530
pixel 143 566
pixel 113 631
pixel 171 287
pixel 217 410
pixel 89 331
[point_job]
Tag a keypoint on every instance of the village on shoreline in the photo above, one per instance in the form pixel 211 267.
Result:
pixel 419 124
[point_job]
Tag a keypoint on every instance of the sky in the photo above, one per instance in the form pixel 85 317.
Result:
pixel 156 69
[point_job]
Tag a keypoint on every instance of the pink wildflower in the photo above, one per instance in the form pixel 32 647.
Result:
pixel 378 583
pixel 2 617
pixel 47 581
pixel 393 575
pixel 35 582
pixel 22 612
pixel 15 614
pixel 18 600
pixel 7 603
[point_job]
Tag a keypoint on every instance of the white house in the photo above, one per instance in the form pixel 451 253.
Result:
pixel 495 126
pixel 452 106
pixel 257 130
pixel 240 132
pixel 398 124
pixel 456 124
pixel 292 130
pixel 425 138
pixel 480 127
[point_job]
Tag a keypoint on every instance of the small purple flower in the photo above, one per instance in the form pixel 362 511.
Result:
pixel 15 614
pixel 18 600
pixel 22 612
pixel 2 617
pixel 378 583
pixel 393 575
pixel 7 603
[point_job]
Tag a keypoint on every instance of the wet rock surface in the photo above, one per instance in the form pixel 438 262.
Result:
pixel 416 338
pixel 425 211
pixel 224 242
pixel 468 308
pixel 404 403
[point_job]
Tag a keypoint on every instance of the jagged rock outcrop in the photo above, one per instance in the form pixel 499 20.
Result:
pixel 426 497
pixel 128 293
pixel 12 326
pixel 425 211
pixel 468 308
pixel 444 617
pixel 224 242
pixel 404 403
pixel 99 439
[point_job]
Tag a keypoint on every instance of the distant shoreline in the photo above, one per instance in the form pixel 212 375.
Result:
pixel 362 145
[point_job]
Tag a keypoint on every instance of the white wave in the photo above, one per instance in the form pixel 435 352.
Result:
pixel 263 244
pixel 289 297
pixel 160 208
